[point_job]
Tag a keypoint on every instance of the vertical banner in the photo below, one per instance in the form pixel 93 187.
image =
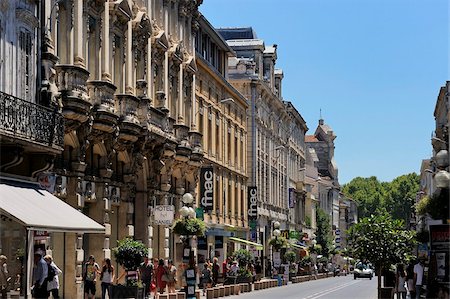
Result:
pixel 291 198
pixel 252 211
pixel 207 188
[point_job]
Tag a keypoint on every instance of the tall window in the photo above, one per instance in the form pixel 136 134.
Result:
pixel 236 142
pixel 25 67
pixel 92 47
pixel 118 62
pixel 217 136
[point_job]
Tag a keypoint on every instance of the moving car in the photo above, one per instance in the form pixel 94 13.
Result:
pixel 362 270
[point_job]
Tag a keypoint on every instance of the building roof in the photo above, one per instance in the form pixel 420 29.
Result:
pixel 311 138
pixel 245 42
pixel 237 33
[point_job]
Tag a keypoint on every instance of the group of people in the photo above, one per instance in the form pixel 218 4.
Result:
pixel 155 276
pixel 45 276
pixel 409 279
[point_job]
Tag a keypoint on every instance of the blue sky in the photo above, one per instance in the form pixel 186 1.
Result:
pixel 374 67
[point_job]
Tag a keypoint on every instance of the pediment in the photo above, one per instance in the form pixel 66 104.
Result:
pixel 121 10
pixel 142 22
pixel 160 40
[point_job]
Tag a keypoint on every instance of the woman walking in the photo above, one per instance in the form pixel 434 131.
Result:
pixel 172 275
pixel 52 278
pixel 107 277
pixel 400 282
pixel 160 272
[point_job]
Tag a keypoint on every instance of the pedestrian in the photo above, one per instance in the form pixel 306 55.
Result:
pixel 161 271
pixel 146 274
pixel 4 276
pixel 52 278
pixel 107 277
pixel 410 280
pixel 418 276
pixel 91 270
pixel 40 273
pixel 206 278
pixel 215 271
pixel 225 268
pixel 400 282
pixel 258 270
pixel 172 275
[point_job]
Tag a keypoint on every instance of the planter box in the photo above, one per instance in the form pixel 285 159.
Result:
pixel 120 291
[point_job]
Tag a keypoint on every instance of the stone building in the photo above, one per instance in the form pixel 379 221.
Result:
pixel 113 131
pixel 271 148
pixel 221 119
pixel 323 144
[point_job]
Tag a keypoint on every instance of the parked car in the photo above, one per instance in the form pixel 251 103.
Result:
pixel 363 271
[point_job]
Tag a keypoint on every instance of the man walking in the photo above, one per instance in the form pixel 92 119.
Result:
pixel 418 276
pixel 146 273
pixel 40 273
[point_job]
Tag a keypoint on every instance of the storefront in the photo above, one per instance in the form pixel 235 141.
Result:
pixel 29 216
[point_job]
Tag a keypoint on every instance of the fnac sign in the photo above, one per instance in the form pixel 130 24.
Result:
pixel 252 204
pixel 207 188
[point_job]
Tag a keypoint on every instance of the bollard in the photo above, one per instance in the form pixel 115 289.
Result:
pixel 227 290
pixel 172 296
pixel 181 295
pixel 209 293
pixel 221 291
pixel 216 292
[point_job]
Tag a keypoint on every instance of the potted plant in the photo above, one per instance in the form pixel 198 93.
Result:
pixel 189 227
pixel 291 257
pixel 244 257
pixel 278 243
pixel 129 254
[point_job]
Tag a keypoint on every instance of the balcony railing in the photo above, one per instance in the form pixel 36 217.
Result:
pixel 31 122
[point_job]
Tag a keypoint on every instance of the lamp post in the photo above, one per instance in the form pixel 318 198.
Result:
pixel 187 211
pixel 276 255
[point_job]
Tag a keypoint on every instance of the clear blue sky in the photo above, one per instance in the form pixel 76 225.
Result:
pixel 374 67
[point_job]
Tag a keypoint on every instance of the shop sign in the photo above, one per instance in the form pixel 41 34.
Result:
pixel 164 214
pixel 207 188
pixel 293 234
pixel 284 233
pixel 291 198
pixel 40 235
pixel 440 246
pixel 252 212
pixel 199 214
pixel 47 181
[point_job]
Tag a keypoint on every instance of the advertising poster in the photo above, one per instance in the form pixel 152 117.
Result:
pixel 439 257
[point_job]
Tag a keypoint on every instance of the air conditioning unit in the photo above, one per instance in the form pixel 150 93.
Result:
pixel 114 195
pixel 88 191
pixel 60 186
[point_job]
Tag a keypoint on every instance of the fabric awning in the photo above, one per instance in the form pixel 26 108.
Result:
pixel 37 209
pixel 297 246
pixel 243 241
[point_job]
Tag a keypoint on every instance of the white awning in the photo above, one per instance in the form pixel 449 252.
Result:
pixel 37 209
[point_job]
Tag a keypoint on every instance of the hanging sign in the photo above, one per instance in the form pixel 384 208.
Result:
pixel 164 214
pixel 207 188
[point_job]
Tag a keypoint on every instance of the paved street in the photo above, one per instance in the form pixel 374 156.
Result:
pixel 332 288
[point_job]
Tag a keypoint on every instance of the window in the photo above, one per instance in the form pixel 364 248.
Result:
pixel 118 64
pixel 25 61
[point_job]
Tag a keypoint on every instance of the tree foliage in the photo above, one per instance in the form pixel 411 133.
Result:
pixel 396 197
pixel 437 206
pixel 382 241
pixel 323 232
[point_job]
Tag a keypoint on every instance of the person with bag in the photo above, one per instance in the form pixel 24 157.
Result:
pixel 40 273
pixel 400 282
pixel 206 277
pixel 91 270
pixel 172 277
pixel 161 276
pixel 4 276
pixel 52 277
pixel 107 277
pixel 145 274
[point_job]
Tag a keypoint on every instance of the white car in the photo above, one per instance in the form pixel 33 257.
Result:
pixel 362 270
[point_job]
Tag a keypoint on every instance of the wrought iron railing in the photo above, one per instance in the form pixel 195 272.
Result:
pixel 29 121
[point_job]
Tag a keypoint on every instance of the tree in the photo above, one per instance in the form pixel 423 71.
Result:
pixel 382 241
pixel 369 193
pixel 397 196
pixel 323 232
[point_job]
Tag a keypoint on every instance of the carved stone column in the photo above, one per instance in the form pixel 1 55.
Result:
pixel 106 73
pixel 78 24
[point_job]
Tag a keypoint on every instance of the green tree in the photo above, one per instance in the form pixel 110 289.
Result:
pixel 382 241
pixel 368 193
pixel 323 232
pixel 397 196
pixel 401 195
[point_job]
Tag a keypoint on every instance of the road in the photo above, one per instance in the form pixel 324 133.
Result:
pixel 327 288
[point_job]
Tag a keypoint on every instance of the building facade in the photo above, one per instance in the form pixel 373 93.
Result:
pixel 328 188
pixel 118 87
pixel 222 120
